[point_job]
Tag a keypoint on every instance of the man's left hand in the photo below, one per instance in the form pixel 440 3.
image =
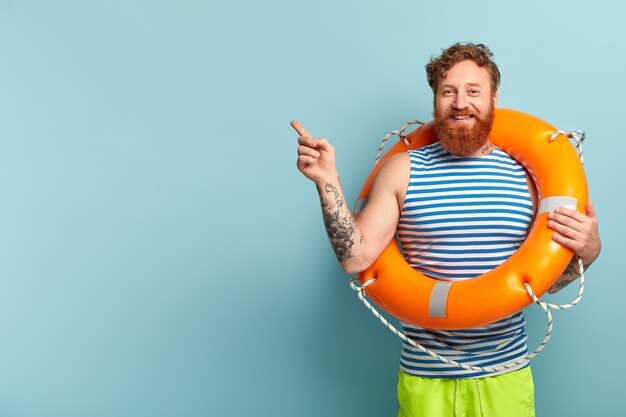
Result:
pixel 577 231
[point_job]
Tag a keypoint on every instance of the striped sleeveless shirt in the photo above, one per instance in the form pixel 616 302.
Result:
pixel 462 217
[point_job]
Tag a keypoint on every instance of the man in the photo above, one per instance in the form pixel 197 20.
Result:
pixel 460 207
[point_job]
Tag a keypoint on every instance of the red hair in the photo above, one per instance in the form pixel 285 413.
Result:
pixel 439 66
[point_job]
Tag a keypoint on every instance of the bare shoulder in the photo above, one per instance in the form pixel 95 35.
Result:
pixel 393 176
pixel 398 165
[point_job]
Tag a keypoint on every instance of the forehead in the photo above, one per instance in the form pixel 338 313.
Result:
pixel 466 73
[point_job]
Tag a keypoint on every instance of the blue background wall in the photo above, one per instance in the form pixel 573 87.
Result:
pixel 160 255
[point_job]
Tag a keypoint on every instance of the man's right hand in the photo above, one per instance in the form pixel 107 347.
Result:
pixel 316 157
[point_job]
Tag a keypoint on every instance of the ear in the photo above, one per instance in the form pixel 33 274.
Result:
pixel 495 99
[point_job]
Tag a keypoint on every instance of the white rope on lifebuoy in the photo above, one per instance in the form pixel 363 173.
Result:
pixel 581 290
pixel 577 136
pixel 399 133
pixel 507 365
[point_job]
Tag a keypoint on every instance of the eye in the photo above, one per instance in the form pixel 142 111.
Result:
pixel 474 92
pixel 447 92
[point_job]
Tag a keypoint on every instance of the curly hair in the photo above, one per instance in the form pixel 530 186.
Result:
pixel 437 67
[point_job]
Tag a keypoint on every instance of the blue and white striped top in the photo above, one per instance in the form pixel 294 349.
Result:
pixel 461 218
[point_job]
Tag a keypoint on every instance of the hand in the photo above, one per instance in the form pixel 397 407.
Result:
pixel 577 231
pixel 316 157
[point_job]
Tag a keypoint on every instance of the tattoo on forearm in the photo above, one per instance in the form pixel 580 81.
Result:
pixel 340 225
pixel 572 268
pixel 571 272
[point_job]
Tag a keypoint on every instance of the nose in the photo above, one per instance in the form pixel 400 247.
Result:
pixel 460 102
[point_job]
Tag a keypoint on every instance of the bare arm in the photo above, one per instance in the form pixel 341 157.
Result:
pixel 356 242
pixel 341 227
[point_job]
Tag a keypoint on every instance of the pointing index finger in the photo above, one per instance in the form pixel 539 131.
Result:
pixel 300 129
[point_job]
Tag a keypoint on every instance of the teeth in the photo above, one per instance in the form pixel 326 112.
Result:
pixel 461 117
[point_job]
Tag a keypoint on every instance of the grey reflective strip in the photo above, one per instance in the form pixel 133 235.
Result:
pixel 439 298
pixel 360 203
pixel 548 204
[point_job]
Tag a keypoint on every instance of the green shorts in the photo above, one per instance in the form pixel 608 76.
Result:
pixel 509 395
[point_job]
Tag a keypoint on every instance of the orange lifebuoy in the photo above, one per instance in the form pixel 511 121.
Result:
pixel 415 298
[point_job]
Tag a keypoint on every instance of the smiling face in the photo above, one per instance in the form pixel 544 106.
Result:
pixel 464 109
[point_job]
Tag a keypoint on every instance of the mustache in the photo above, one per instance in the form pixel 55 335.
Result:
pixel 452 113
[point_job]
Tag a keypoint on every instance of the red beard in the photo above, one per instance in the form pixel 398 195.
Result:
pixel 463 141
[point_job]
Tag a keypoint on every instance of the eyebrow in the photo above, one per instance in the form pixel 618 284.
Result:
pixel 466 84
pixel 450 85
